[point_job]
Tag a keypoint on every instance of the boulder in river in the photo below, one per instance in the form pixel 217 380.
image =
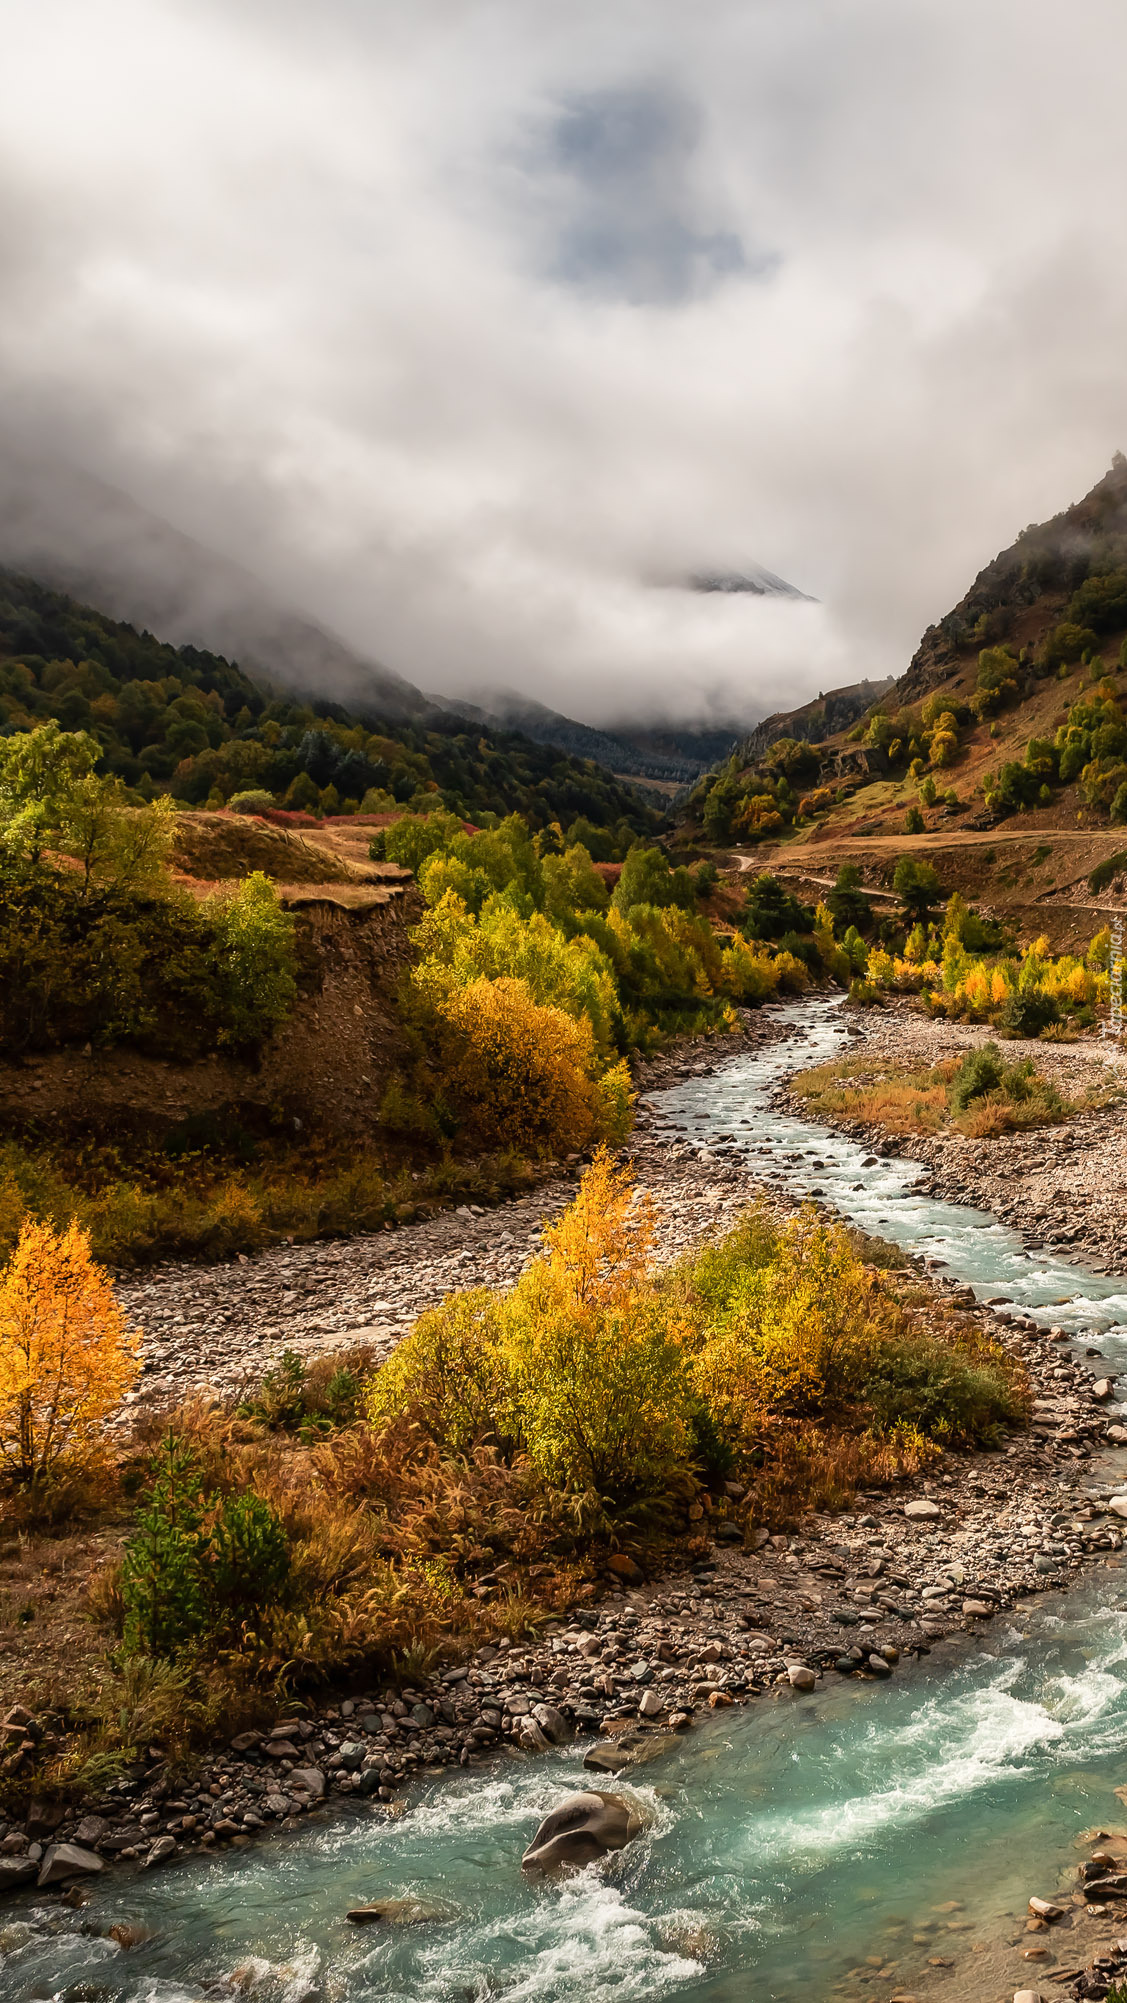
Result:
pixel 631 1748
pixel 15 1872
pixel 583 1827
pixel 405 1911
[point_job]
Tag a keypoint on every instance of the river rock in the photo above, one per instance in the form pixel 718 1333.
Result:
pixel 977 1610
pixel 1044 1909
pixel 17 1871
pixel 1103 1389
pixel 1118 1505
pixel 162 1850
pixel 584 1827
pixel 877 1666
pixel 67 1860
pixel 308 1781
pixel 1028 1996
pixel 552 1723
pixel 921 1510
pixel 623 1567
pixel 407 1911
pixel 800 1676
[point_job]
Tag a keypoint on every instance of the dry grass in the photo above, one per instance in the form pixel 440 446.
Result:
pixel 909 1100
pixel 915 1099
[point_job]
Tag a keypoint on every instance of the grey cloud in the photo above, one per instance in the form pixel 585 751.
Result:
pixel 433 319
pixel 620 165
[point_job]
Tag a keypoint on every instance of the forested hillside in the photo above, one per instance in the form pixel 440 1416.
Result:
pixel 1015 703
pixel 181 721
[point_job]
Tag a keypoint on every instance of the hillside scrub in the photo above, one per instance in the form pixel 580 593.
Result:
pixel 980 1095
pixel 211 1195
pixel 97 945
pixel 1089 750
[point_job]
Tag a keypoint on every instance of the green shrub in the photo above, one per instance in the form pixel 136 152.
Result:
pixel 1026 1012
pixel 1103 873
pixel 195 1565
pixel 256 801
pixel 308 1401
pixel 979 1073
pixel 932 1387
pixel 249 1557
pixel 162 1579
pixel 913 822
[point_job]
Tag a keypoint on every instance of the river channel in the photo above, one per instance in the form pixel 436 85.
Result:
pixel 870 1840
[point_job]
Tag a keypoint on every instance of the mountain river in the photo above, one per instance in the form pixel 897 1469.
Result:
pixel 867 1841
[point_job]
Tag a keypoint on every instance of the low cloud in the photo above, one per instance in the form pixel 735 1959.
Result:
pixel 467 328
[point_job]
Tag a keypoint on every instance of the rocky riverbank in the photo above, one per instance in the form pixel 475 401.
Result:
pixel 1062 1188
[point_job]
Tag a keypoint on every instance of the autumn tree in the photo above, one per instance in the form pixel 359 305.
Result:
pixel 525 1073
pixel 66 1357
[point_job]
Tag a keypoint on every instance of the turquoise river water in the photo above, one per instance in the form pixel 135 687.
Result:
pixel 870 1840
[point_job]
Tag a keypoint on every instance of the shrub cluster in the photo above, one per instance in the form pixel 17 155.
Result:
pixel 539 971
pixel 608 1379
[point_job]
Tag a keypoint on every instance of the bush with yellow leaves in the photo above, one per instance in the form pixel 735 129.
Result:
pixel 523 1073
pixel 66 1357
pixel 581 1367
pixel 618 1383
pixel 798 1336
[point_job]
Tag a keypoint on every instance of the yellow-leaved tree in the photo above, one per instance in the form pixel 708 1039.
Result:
pixel 66 1357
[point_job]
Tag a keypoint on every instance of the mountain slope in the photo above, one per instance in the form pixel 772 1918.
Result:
pixel 188 722
pixel 1019 596
pixel 81 535
pixel 649 753
pixel 1015 702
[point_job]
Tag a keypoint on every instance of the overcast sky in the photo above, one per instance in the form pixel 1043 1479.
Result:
pixel 473 326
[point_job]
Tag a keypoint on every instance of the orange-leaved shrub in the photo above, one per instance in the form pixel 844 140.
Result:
pixel 66 1356
pixel 525 1073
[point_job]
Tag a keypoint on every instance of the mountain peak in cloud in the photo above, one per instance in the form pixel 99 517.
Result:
pixel 751 578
